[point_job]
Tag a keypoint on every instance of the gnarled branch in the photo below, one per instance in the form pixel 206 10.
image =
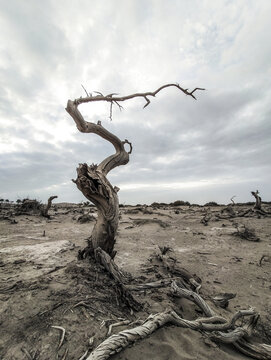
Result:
pixel 91 179
pixel 117 342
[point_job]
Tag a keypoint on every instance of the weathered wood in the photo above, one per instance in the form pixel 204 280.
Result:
pixel 91 179
pixel 92 182
pixel 173 267
pixel 151 285
pixel 255 351
pixel 45 209
pixel 258 204
pixel 192 296
pixel 117 342
pixel 120 278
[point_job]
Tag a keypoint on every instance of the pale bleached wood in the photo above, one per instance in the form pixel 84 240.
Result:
pixel 117 342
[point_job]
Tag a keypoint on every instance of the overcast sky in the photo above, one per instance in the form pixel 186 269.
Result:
pixel 198 151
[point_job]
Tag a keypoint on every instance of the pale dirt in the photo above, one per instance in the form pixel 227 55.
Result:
pixel 42 280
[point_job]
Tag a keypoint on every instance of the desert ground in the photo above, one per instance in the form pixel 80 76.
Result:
pixel 44 286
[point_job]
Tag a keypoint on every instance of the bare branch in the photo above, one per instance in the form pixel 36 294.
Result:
pixel 86 91
pixel 232 199
pixel 145 95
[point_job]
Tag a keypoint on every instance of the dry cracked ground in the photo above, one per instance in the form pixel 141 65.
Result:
pixel 44 286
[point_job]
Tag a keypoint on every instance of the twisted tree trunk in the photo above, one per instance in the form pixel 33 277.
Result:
pixel 45 209
pixel 258 204
pixel 91 179
pixel 92 182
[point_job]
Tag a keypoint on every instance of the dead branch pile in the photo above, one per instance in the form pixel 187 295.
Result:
pixel 246 233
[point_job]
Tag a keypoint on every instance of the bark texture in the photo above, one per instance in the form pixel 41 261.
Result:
pixel 93 183
pixel 217 327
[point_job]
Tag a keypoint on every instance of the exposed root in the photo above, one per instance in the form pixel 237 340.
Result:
pixel 171 264
pixel 192 296
pixel 255 351
pixel 152 285
pixel 121 279
pixel 120 323
pixel 117 342
pixel 218 327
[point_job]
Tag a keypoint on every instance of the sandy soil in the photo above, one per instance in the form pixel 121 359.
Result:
pixel 43 284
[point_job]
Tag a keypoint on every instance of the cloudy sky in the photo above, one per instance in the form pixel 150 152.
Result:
pixel 198 151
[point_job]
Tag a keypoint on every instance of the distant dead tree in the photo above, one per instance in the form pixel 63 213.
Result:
pixel 45 208
pixel 233 202
pixel 91 179
pixel 258 205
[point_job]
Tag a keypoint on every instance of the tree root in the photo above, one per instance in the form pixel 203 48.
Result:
pixel 192 296
pixel 120 278
pixel 256 351
pixel 219 328
pixel 115 343
pixel 171 264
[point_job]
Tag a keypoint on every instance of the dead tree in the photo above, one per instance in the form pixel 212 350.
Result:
pixel 233 203
pixel 258 205
pixel 91 179
pixel 45 209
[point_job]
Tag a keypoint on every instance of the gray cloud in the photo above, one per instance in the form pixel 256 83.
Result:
pixel 209 149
